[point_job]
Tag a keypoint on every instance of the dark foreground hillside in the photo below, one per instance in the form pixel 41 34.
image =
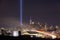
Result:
pixel 23 38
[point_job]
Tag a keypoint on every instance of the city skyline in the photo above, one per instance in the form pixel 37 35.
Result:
pixel 42 10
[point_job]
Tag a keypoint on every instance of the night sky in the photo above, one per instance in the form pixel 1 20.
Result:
pixel 9 13
pixel 42 10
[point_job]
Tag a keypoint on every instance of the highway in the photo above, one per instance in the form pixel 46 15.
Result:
pixel 39 33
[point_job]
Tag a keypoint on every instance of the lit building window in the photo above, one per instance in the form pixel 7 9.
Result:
pixel 15 33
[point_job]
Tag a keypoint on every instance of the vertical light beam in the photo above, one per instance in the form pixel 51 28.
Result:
pixel 20 12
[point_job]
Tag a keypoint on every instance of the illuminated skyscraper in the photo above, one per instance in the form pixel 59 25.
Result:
pixel 30 20
pixel 31 23
pixel 46 26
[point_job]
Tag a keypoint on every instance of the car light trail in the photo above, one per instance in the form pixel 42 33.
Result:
pixel 49 34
